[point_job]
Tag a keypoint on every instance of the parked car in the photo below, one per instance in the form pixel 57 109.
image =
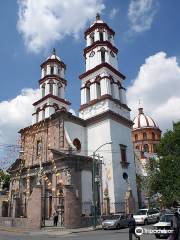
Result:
pixel 164 224
pixel 117 221
pixel 146 216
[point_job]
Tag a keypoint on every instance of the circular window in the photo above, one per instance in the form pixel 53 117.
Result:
pixel 112 54
pixel 77 144
pixel 92 54
pixel 125 176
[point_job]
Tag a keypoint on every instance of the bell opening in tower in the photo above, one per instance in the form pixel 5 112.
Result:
pixel 92 38
pixel 101 36
pixel 103 52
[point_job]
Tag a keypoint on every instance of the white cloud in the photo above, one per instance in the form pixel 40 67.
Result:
pixel 113 13
pixel 157 86
pixel 16 114
pixel 141 14
pixel 42 23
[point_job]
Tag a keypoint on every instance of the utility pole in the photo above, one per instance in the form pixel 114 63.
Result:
pixel 94 192
pixel 95 179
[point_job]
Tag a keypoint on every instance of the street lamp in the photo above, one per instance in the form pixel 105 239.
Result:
pixel 94 185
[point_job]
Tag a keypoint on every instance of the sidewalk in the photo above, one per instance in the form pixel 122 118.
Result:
pixel 48 230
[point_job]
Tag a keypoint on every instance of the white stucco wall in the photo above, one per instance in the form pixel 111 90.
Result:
pixel 77 131
pixel 121 134
pixel 103 106
pixel 112 172
pixel 98 134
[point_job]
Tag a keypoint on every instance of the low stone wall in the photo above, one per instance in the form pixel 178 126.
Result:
pixel 18 222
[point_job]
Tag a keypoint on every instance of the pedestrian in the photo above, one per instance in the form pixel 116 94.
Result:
pixel 132 227
pixel 55 218
pixel 176 225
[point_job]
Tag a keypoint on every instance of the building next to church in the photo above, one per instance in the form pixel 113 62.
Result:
pixel 57 148
pixel 146 136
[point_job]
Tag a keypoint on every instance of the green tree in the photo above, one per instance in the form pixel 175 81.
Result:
pixel 164 172
pixel 5 178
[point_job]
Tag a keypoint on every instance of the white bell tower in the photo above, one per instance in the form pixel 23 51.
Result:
pixel 52 86
pixel 107 116
pixel 102 83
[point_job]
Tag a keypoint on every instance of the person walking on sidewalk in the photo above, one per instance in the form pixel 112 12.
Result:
pixel 55 218
pixel 176 225
pixel 132 227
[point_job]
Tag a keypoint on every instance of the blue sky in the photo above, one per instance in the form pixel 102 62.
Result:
pixel 147 36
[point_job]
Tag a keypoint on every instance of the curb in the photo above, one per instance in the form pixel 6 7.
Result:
pixel 11 229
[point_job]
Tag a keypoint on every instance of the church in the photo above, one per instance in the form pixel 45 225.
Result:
pixel 146 136
pixel 59 148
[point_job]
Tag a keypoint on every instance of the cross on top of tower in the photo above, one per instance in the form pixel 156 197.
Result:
pixel 98 17
pixel 54 51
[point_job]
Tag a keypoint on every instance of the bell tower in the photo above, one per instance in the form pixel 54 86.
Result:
pixel 102 84
pixel 52 88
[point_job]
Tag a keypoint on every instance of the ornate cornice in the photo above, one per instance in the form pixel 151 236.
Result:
pixel 52 77
pixel 60 63
pixel 107 65
pixel 104 97
pixel 100 43
pixel 52 96
pixel 98 25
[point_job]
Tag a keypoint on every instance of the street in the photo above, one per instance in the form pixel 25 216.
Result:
pixel 99 234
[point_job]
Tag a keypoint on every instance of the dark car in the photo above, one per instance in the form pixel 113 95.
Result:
pixel 164 225
pixel 116 221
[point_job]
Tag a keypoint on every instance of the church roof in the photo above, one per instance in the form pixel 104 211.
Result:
pixel 143 121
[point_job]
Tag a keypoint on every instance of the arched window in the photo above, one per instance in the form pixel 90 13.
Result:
pixel 103 55
pixel 136 137
pixel 145 136
pixel 101 37
pixel 112 89
pixel 137 147
pixel 92 37
pixel 43 90
pixel 43 114
pixel 51 87
pixel 153 136
pixel 109 37
pixel 59 90
pixel 146 148
pixel 98 90
pixel 87 91
pixel 39 148
pixel 52 70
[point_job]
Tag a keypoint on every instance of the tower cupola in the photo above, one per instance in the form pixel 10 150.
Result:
pixel 102 82
pixel 52 88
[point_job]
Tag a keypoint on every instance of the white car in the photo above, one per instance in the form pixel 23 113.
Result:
pixel 115 222
pixel 146 216
pixel 163 225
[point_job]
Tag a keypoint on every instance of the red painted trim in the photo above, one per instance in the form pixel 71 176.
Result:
pixel 60 63
pixel 51 96
pixel 100 43
pixel 98 25
pixel 106 96
pixel 51 77
pixel 101 66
